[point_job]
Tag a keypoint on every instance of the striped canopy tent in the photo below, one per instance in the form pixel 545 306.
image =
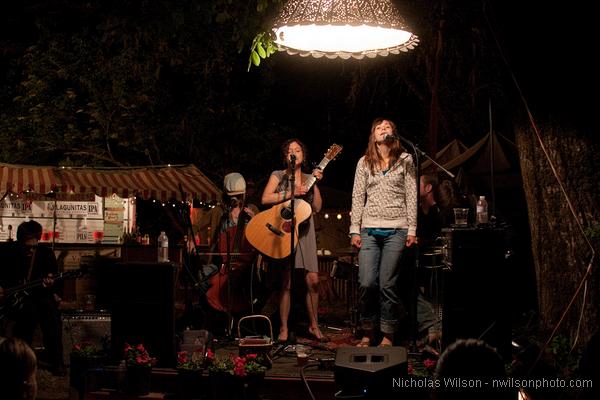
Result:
pixel 18 179
pixel 172 182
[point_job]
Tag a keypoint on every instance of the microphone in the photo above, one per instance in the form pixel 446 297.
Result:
pixel 292 158
pixel 390 137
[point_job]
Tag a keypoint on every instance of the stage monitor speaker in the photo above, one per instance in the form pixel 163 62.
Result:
pixel 84 327
pixel 141 298
pixel 367 372
pixel 477 301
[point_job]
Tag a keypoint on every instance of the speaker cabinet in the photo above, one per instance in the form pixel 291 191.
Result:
pixel 141 298
pixel 367 372
pixel 477 301
pixel 89 327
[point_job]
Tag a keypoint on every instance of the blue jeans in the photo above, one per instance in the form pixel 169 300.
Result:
pixel 378 272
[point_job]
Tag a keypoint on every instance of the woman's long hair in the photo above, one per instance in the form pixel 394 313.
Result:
pixel 18 366
pixel 284 152
pixel 373 157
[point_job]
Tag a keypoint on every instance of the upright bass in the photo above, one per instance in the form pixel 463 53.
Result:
pixel 228 288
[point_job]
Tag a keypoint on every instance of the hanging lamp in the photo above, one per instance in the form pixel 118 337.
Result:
pixel 342 28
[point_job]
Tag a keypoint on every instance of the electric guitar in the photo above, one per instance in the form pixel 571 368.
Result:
pixel 269 231
pixel 12 297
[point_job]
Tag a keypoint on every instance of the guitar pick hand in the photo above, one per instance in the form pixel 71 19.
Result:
pixel 48 281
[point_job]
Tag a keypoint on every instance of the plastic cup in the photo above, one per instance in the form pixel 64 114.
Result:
pixel 98 236
pixel 461 216
pixel 301 355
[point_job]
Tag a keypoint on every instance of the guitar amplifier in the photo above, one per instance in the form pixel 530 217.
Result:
pixel 476 301
pixel 91 327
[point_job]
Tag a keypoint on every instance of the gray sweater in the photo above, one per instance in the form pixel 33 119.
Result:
pixel 385 201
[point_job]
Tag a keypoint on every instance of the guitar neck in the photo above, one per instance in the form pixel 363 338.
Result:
pixel 23 287
pixel 39 282
pixel 311 181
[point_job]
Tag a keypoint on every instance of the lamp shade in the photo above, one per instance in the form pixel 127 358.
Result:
pixel 342 28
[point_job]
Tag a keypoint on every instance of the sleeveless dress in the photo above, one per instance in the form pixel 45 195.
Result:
pixel 306 251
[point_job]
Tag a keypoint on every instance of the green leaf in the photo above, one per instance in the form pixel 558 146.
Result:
pixel 255 58
pixel 261 51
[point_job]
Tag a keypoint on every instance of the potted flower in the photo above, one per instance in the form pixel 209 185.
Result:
pixel 85 359
pixel 240 377
pixel 191 361
pixel 138 364
pixel 189 372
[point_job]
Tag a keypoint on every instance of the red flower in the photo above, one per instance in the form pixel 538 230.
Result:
pixel 429 364
pixel 210 355
pixel 138 355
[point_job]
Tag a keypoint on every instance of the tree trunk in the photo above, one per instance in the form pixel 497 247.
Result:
pixel 560 252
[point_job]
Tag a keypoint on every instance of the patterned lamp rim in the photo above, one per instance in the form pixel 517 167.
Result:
pixel 328 28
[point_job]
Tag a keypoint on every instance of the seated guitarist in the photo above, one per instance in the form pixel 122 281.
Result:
pixel 277 190
pixel 29 262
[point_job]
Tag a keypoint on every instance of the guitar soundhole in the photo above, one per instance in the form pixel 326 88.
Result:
pixel 286 213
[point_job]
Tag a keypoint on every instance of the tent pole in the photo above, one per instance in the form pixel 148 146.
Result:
pixel 493 189
pixel 54 224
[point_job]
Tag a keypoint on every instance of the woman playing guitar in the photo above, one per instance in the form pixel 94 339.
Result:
pixel 277 190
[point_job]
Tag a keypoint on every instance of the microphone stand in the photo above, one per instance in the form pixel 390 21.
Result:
pixel 228 222
pixel 418 152
pixel 292 180
pixel 185 216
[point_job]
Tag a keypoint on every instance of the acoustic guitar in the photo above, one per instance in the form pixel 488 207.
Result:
pixel 269 231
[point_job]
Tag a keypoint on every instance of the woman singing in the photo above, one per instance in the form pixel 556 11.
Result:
pixel 384 220
pixel 278 189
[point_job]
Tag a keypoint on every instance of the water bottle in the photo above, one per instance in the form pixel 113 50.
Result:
pixel 482 210
pixel 163 247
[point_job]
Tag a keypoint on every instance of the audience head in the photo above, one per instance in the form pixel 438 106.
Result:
pixel 18 367
pixel 428 185
pixel 470 359
pixel 447 195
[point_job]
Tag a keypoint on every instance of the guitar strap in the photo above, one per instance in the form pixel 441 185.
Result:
pixel 31 265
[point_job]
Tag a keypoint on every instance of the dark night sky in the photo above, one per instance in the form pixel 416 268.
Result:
pixel 550 47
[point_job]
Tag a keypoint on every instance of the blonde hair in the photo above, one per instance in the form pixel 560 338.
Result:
pixel 18 366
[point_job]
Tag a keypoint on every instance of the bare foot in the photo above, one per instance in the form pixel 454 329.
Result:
pixel 283 335
pixel 317 334
pixel 364 342
pixel 385 342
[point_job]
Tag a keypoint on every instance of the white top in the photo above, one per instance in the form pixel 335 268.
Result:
pixel 385 200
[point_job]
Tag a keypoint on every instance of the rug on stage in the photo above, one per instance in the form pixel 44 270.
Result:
pixel 344 337
pixel 334 321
